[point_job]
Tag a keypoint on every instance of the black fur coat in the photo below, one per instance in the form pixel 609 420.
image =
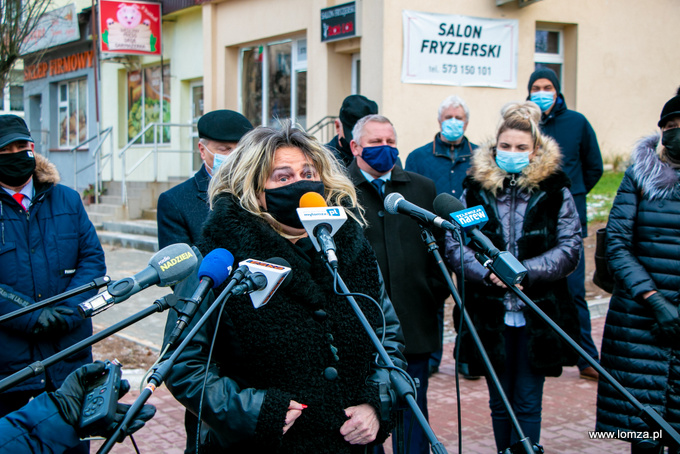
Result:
pixel 305 344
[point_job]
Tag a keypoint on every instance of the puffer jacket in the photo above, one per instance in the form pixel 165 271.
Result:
pixel 305 344
pixel 47 250
pixel 531 215
pixel 434 161
pixel 643 253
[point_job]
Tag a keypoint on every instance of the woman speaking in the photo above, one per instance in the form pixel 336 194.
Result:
pixel 294 375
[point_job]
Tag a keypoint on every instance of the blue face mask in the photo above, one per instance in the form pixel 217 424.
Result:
pixel 218 159
pixel 512 161
pixel 544 99
pixel 453 129
pixel 380 158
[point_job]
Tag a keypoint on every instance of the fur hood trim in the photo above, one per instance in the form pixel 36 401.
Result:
pixel 45 172
pixel 656 178
pixel 492 178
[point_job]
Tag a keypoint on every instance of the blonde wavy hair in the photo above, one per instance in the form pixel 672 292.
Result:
pixel 522 116
pixel 245 171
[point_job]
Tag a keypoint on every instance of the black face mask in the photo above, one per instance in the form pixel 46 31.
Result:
pixel 671 140
pixel 283 202
pixel 16 168
pixel 344 146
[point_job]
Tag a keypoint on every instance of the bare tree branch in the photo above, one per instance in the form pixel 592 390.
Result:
pixel 18 19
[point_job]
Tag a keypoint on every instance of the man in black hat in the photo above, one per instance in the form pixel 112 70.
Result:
pixel 582 161
pixel 47 246
pixel 354 108
pixel 182 209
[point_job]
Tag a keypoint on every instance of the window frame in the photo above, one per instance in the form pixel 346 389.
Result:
pixel 65 103
pixel 551 58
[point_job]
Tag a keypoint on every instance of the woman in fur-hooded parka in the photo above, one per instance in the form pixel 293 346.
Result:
pixel 643 253
pixel 532 215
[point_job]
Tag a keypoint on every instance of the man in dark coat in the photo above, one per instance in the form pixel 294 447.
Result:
pixel 47 246
pixel 582 162
pixel 353 108
pixel 182 209
pixel 409 270
pixel 446 160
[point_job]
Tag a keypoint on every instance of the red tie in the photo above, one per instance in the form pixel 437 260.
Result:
pixel 19 197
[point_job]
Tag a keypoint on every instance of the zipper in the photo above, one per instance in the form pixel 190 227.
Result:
pixel 513 193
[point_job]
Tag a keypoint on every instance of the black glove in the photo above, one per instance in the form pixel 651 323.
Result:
pixel 51 321
pixel 666 315
pixel 70 396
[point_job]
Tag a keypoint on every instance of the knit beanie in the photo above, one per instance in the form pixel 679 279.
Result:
pixel 545 73
pixel 670 109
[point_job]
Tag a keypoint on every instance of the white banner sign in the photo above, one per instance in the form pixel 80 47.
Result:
pixel 446 49
pixel 54 28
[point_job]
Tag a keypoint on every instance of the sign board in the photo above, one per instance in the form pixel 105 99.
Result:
pixel 59 65
pixel 131 27
pixel 338 22
pixel 56 27
pixel 446 49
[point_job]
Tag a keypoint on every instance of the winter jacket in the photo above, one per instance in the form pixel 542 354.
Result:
pixel 340 154
pixel 581 158
pixel 532 216
pixel 643 254
pixel 434 161
pixel 305 344
pixel 47 250
pixel 38 428
pixel 414 281
pixel 182 211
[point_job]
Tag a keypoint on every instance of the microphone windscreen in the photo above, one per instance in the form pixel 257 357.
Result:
pixel 282 262
pixel 312 200
pixel 445 204
pixel 173 263
pixel 217 266
pixel 391 202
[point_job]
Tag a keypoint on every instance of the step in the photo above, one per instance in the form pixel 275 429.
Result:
pixel 149 214
pixel 137 227
pixel 111 199
pixel 98 219
pixel 598 307
pixel 129 240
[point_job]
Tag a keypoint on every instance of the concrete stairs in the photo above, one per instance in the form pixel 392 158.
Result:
pixel 131 226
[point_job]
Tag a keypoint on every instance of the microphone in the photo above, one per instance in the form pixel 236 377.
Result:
pixel 263 279
pixel 167 267
pixel 321 222
pixel 395 203
pixel 502 263
pixel 214 270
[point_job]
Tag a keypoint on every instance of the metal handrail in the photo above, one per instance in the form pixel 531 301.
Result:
pixel 106 133
pixel 154 151
pixel 323 129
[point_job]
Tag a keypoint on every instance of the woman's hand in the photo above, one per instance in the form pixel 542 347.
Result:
pixel 497 281
pixel 294 412
pixel 362 426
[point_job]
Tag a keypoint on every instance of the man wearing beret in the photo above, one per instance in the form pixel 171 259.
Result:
pixel 354 108
pixel 582 162
pixel 47 246
pixel 182 209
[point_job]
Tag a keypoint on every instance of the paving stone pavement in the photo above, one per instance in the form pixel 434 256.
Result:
pixel 568 415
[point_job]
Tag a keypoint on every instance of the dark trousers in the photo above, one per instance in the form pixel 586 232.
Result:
pixel 12 401
pixel 524 390
pixel 416 442
pixel 577 288
pixel 436 357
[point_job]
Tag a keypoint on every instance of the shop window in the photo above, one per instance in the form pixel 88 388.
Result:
pixel 273 81
pixel 12 99
pixel 149 103
pixel 72 113
pixel 549 50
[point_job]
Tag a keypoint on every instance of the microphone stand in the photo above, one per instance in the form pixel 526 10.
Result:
pixel 647 413
pixel 400 384
pixel 159 375
pixel 38 367
pixel 429 240
pixel 94 284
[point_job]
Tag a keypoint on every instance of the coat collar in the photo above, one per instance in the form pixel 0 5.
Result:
pixel 492 178
pixel 657 179
pixel 399 175
pixel 202 180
